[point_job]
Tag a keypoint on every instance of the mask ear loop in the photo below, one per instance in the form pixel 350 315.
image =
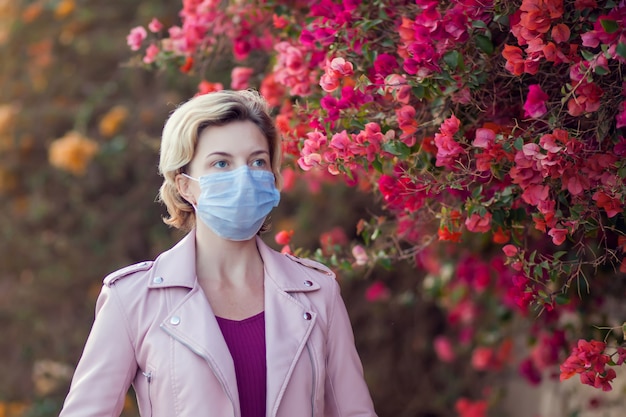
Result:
pixel 190 177
pixel 194 179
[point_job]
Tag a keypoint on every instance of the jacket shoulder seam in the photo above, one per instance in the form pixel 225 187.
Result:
pixel 126 271
pixel 311 264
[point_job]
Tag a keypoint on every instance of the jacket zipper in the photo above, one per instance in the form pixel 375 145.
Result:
pixel 210 366
pixel 313 371
pixel 148 376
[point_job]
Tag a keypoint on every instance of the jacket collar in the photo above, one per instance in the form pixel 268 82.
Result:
pixel 176 267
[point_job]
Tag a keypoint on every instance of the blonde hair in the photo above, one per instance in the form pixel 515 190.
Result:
pixel 180 138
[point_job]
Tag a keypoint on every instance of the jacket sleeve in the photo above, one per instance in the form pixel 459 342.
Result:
pixel 107 366
pixel 346 393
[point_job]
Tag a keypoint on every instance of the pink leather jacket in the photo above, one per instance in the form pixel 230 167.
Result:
pixel 154 329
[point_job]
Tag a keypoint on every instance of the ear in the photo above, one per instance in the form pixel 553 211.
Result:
pixel 187 188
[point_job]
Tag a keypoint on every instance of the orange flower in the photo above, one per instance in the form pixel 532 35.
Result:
pixel 186 67
pixel 7 180
pixel 112 121
pixel 32 12
pixel 64 8
pixel 72 153
pixel 7 117
pixel 445 234
pixel 501 236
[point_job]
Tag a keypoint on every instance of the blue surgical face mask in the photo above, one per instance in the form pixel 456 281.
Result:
pixel 234 204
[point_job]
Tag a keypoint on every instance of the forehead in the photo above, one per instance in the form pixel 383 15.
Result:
pixel 234 138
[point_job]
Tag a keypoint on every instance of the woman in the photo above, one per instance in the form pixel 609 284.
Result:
pixel 221 325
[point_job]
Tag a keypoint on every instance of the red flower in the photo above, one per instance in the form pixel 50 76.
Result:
pixel 283 237
pixel 445 234
pixel 467 408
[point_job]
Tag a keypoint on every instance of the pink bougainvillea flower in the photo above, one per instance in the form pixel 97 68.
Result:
pixel 510 250
pixel 151 53
pixel 612 205
pixel 484 138
pixel 406 120
pixel 329 83
pixel 136 37
pixel 535 105
pixel 155 26
pixel 482 358
pixel 332 237
pixel 535 194
pixel 478 224
pixel 279 22
pixel 378 291
pixel 558 235
pixel 360 255
pixel 443 349
pixel 560 33
pixel 448 149
pixel 240 77
pixel 340 67
pixel 589 360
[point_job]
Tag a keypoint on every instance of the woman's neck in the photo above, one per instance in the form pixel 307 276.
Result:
pixel 226 263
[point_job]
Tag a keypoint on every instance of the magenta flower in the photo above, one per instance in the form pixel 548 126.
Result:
pixel 535 105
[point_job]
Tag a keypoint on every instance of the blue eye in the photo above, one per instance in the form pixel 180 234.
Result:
pixel 259 163
pixel 220 164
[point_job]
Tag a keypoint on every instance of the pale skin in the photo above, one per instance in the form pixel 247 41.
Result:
pixel 229 272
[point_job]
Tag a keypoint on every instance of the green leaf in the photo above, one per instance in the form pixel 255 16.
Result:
pixel 484 43
pixel 419 91
pixel 561 299
pixel 559 254
pixel 601 70
pixel 397 148
pixel 519 143
pixel 589 56
pixel 453 59
pixel 378 166
pixel 621 49
pixel 477 192
pixel 479 24
pixel 609 25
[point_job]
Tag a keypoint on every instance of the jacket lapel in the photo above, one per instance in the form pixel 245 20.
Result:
pixel 288 321
pixel 192 321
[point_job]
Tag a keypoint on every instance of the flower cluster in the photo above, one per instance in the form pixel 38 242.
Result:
pixel 492 125
pixel 589 360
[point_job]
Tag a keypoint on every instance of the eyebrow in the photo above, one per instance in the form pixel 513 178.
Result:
pixel 255 153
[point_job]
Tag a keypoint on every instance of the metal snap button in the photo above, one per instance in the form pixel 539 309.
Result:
pixel 308 283
pixel 158 280
pixel 307 316
pixel 175 320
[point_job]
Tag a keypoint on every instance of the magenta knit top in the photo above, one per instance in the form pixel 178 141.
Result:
pixel 246 341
